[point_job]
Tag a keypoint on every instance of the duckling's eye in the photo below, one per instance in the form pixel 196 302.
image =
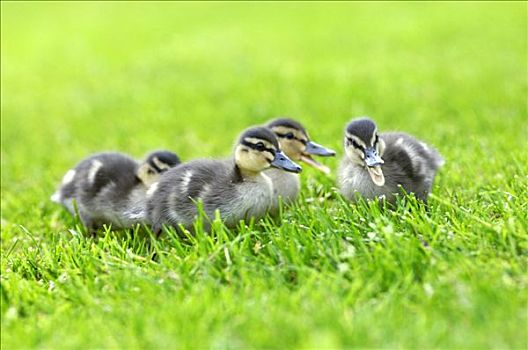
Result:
pixel 260 146
pixel 355 144
pixel 289 136
pixel 150 171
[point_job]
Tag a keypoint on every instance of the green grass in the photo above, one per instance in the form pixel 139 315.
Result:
pixel 85 77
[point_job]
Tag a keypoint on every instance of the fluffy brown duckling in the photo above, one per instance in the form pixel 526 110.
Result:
pixel 296 144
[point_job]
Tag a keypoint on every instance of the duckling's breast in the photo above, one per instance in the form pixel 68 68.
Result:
pixel 253 199
pixel 286 185
pixel 354 180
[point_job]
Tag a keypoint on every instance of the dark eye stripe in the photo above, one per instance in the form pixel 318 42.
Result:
pixel 354 143
pixel 256 148
pixel 152 164
pixel 295 138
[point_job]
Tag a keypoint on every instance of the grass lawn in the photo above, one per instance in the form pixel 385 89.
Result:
pixel 84 77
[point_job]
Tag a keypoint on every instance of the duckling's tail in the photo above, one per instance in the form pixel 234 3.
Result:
pixel 439 161
pixel 56 197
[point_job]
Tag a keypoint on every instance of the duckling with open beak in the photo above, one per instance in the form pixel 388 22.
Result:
pixel 380 165
pixel 296 144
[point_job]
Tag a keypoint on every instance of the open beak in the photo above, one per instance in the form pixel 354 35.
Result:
pixel 317 150
pixel 281 161
pixel 373 162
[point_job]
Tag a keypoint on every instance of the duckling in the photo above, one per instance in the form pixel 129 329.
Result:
pixel 238 188
pixel 377 165
pixel 296 144
pixel 110 188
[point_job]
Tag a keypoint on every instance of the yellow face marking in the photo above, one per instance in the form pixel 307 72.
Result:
pixel 299 135
pixel 160 164
pixel 271 156
pixel 262 153
pixel 373 136
pixel 294 147
pixel 143 173
pixel 357 139
pixel 255 140
pixel 250 160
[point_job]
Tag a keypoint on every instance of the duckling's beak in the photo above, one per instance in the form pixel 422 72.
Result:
pixel 281 161
pixel 374 162
pixel 372 158
pixel 318 150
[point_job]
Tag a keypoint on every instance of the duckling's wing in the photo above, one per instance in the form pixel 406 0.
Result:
pixel 107 169
pixel 410 163
pixel 175 196
pixel 94 173
pixel 410 151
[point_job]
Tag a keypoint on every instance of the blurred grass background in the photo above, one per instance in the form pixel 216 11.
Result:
pixel 83 77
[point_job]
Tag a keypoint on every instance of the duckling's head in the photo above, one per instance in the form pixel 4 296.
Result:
pixel 296 144
pixel 155 164
pixel 258 149
pixel 363 146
